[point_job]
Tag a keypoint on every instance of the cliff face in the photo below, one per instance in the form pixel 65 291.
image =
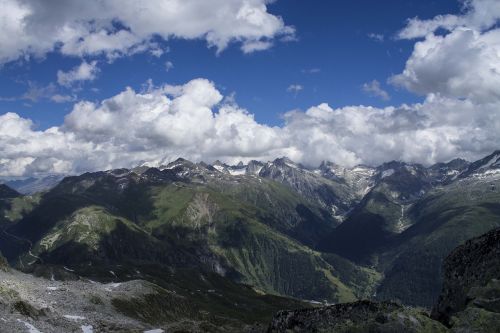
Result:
pixel 471 285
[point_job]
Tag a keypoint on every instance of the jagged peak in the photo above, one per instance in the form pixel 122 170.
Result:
pixel 394 164
pixel 255 162
pixel 283 159
pixel 180 162
pixel 489 165
pixel 118 172
pixel 218 163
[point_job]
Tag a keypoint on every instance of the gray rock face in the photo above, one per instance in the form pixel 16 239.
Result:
pixel 468 269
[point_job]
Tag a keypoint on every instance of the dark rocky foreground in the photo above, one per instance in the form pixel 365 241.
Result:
pixel 361 316
pixel 469 302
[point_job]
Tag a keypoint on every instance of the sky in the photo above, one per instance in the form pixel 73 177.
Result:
pixel 105 84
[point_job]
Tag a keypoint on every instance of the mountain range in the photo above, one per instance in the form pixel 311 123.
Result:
pixel 234 244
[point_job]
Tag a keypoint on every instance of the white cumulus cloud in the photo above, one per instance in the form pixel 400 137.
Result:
pixel 295 88
pixel 169 65
pixel 462 63
pixel 477 15
pixel 194 121
pixel 84 72
pixel 374 88
pixel 111 27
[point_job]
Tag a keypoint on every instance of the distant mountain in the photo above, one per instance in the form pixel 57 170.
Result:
pixel 190 215
pixel 441 220
pixel 7 192
pixel 327 234
pixel 383 213
pixel 33 185
pixel 443 173
pixel 486 167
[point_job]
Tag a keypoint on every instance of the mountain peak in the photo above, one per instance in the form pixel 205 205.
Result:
pixel 486 166
pixel 218 163
pixel 285 161
pixel 180 162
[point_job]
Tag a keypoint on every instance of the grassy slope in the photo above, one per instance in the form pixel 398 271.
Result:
pixel 241 235
pixel 249 229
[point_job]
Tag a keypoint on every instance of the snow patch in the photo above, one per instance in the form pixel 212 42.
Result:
pixel 87 329
pixel 31 328
pixel 110 286
pixel 74 318
pixel 52 288
pixel 411 169
pixel 387 173
pixel 169 167
pixel 492 162
pixel 219 168
pixel 493 173
pixel 237 172
pixel 157 330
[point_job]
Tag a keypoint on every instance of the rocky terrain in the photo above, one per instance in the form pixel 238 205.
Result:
pixel 361 316
pixel 30 304
pixel 67 302
pixel 471 290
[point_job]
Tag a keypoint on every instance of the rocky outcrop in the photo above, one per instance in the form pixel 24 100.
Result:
pixel 361 316
pixel 471 278
pixel 4 265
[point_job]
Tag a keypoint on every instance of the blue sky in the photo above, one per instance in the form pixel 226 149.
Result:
pixel 332 37
pixel 107 84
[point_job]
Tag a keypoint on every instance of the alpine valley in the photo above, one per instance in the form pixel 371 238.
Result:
pixel 196 247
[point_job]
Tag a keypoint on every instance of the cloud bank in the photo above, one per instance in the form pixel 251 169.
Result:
pixel 194 121
pixel 121 27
